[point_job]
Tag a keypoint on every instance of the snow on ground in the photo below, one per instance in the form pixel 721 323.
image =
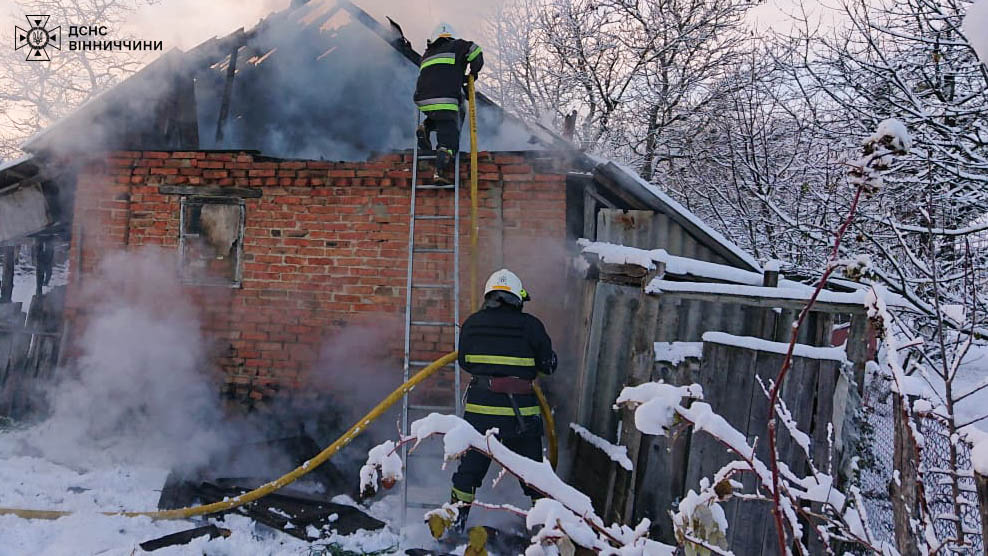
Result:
pixel 24 283
pixel 972 374
pixel 89 486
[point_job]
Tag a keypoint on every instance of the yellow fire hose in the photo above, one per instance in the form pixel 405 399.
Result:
pixel 549 425
pixel 474 224
pixel 319 459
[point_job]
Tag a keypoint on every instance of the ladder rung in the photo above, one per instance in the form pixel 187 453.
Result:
pixel 439 408
pixel 431 323
pixel 432 286
pixel 432 217
pixel 434 186
pixel 431 250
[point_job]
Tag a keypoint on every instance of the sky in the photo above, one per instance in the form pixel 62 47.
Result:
pixel 185 23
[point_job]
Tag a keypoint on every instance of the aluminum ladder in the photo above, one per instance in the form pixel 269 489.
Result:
pixel 422 466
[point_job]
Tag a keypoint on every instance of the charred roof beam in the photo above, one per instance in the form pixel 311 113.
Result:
pixel 231 71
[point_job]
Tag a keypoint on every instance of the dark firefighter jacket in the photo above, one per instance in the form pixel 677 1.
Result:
pixel 440 85
pixel 504 341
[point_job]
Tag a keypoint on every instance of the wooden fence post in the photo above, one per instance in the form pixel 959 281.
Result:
pixel 905 490
pixel 9 255
pixel 857 348
pixel 982 482
pixel 770 280
pixel 642 364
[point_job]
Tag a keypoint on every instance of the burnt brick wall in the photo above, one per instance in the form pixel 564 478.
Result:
pixel 325 248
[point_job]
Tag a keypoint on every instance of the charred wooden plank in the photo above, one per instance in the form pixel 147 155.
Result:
pixel 209 191
pixel 184 537
pixel 231 71
pixel 9 257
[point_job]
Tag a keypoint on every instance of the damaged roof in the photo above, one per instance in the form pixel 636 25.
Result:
pixel 319 80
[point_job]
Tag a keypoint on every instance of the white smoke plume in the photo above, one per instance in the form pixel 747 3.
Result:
pixel 139 390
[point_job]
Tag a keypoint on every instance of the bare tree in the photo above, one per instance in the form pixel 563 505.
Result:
pixel 638 74
pixel 35 94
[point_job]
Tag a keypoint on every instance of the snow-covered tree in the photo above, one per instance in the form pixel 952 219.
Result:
pixel 638 76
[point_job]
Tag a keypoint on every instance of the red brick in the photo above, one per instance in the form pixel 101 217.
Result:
pixel 316 256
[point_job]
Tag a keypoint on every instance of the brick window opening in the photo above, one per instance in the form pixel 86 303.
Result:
pixel 211 240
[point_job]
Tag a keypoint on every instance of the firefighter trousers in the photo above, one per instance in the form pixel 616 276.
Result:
pixel 446 124
pixel 474 465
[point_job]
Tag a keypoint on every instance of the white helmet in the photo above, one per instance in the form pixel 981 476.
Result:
pixel 442 30
pixel 506 281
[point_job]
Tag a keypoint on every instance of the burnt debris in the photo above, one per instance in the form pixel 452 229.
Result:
pixel 301 514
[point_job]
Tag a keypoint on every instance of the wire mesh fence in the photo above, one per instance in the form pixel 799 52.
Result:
pixel 875 463
pixel 938 472
pixel 953 503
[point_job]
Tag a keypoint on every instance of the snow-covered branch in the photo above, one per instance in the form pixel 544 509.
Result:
pixel 564 515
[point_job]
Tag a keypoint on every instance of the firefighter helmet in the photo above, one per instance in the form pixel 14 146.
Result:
pixel 506 281
pixel 443 30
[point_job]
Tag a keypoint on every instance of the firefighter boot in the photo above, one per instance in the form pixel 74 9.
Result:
pixel 444 157
pixel 460 525
pixel 423 138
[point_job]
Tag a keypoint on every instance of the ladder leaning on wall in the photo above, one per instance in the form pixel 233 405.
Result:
pixel 433 278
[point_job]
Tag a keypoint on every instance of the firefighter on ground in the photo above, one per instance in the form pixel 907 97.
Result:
pixel 504 349
pixel 439 93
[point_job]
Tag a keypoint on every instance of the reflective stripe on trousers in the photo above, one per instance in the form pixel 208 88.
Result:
pixel 502 411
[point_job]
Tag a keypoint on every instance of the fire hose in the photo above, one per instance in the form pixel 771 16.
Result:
pixel 319 459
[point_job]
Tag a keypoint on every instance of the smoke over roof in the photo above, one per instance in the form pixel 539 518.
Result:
pixel 321 79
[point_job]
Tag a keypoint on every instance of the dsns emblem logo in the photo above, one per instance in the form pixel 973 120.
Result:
pixel 38 38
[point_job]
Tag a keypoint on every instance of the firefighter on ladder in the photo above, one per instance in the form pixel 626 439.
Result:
pixel 439 94
pixel 504 349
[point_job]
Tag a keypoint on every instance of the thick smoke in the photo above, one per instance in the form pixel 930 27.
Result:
pixel 139 391
pixel 143 387
pixel 314 82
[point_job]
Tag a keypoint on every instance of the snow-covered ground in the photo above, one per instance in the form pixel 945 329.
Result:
pixel 34 482
pixel 24 283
